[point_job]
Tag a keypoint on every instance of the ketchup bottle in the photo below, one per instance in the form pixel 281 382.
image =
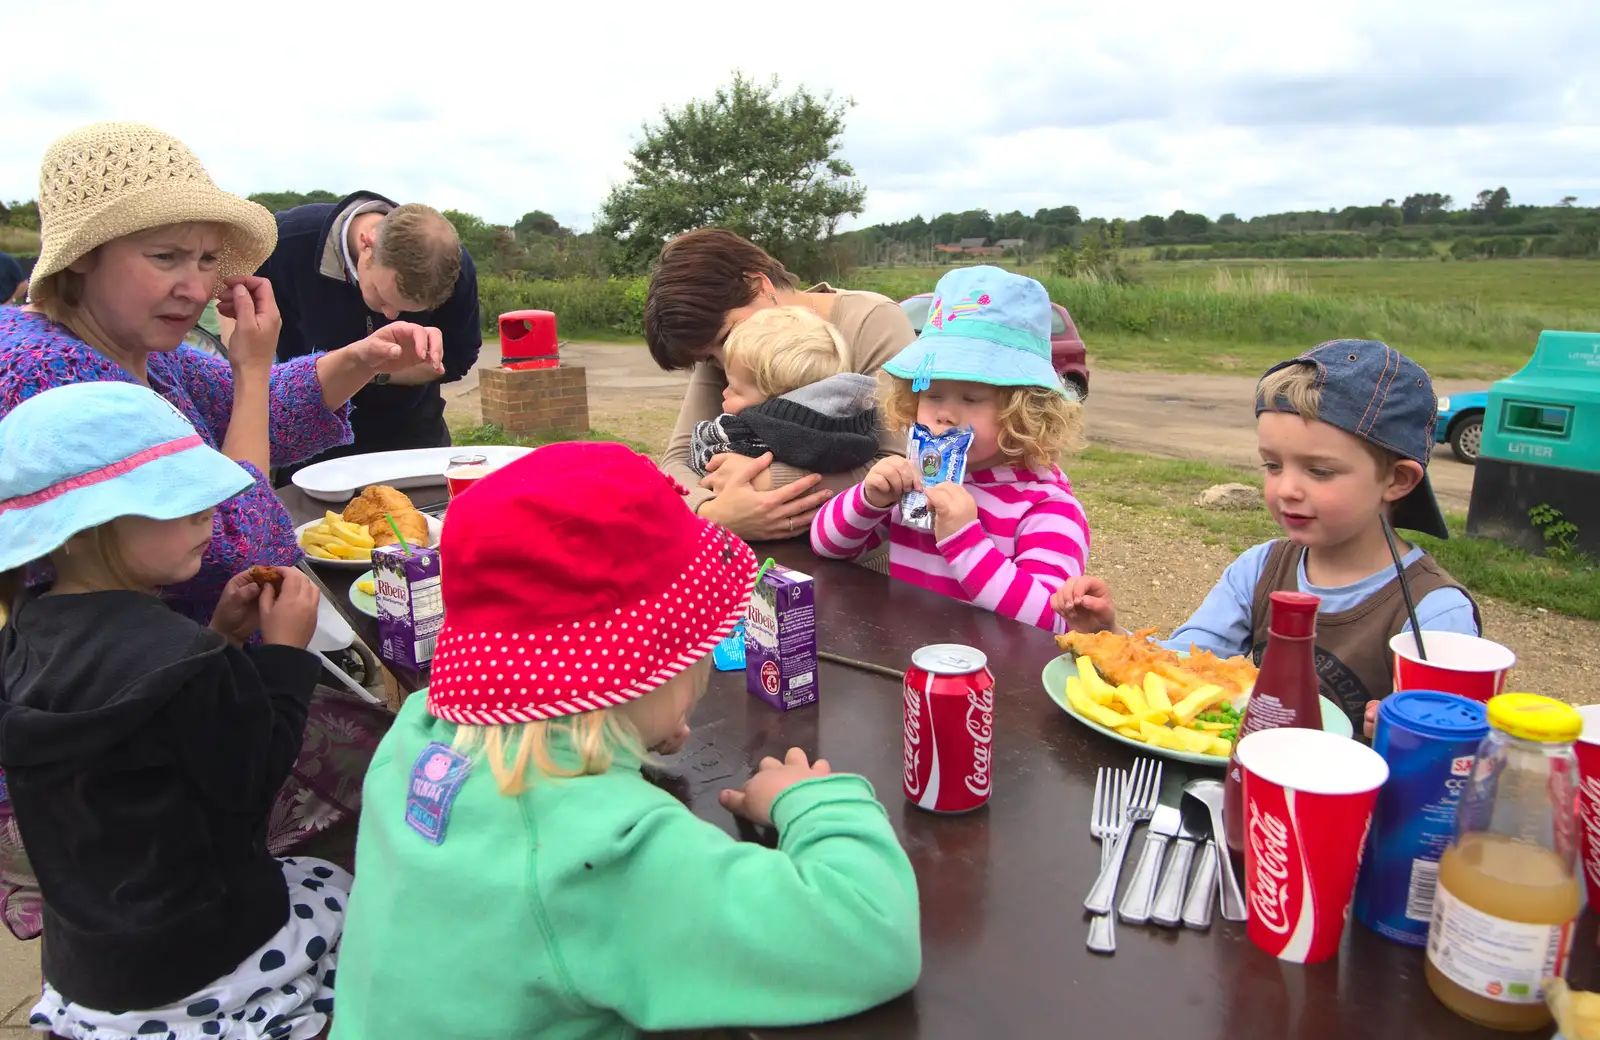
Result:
pixel 1285 693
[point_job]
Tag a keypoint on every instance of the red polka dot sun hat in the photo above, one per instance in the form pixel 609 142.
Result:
pixel 575 579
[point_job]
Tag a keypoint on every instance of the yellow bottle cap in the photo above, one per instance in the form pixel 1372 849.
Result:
pixel 1529 716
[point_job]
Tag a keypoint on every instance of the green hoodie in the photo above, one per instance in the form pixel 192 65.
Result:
pixel 601 906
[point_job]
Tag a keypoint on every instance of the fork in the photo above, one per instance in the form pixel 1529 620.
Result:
pixel 1139 804
pixel 1110 790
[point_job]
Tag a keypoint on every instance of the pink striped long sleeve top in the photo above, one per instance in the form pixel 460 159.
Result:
pixel 1030 537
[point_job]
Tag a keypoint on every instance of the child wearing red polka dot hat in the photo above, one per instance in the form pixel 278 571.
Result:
pixel 511 849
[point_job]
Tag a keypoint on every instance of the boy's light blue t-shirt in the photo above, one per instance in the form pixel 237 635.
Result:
pixel 1223 626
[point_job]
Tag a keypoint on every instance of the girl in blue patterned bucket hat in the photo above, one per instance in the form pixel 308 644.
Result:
pixel 1009 534
pixel 142 752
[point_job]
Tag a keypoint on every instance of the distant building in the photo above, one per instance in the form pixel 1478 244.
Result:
pixel 972 243
pixel 1010 243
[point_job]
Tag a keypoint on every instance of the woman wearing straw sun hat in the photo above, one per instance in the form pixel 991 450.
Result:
pixel 135 239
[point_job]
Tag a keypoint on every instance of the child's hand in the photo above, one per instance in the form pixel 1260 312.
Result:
pixel 238 612
pixel 675 743
pixel 1086 604
pixel 1369 724
pixel 289 614
pixel 754 800
pixel 953 508
pixel 888 480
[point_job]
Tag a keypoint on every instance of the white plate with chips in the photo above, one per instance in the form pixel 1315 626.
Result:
pixel 435 529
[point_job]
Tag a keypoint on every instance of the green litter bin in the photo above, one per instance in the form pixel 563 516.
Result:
pixel 1541 446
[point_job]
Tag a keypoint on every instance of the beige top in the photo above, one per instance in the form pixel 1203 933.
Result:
pixel 874 327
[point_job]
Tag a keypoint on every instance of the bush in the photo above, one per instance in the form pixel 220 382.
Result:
pixel 583 306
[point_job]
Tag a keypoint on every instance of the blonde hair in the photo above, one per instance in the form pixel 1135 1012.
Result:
pixel 1037 424
pixel 420 245
pixel 1294 386
pixel 595 737
pixel 57 296
pixel 786 348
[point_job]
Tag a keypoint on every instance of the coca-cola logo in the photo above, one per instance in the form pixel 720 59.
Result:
pixel 980 727
pixel 913 740
pixel 1269 893
pixel 1589 815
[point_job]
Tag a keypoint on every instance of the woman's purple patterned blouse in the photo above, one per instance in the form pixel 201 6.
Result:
pixel 253 527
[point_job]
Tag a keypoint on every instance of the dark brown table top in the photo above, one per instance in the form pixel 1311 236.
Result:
pixel 1002 888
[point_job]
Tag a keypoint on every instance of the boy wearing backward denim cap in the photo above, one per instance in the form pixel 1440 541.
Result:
pixel 1345 431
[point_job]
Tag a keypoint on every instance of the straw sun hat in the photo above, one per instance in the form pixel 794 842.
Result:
pixel 107 180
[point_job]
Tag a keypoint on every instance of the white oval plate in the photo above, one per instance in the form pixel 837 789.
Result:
pixel 337 480
pixel 435 529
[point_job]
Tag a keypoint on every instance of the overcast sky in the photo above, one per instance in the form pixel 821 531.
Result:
pixel 1122 109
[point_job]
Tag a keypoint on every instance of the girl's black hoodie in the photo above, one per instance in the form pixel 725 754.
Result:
pixel 142 754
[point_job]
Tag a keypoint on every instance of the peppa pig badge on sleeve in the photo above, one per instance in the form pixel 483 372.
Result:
pixel 436 779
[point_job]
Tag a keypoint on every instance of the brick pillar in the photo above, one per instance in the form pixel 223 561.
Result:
pixel 536 400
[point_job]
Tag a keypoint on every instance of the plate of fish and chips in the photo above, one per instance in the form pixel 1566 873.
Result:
pixel 1184 705
pixel 346 540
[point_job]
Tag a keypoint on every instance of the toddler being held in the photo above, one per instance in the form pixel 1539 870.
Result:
pixel 790 392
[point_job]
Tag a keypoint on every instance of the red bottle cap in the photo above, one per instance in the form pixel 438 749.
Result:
pixel 1293 614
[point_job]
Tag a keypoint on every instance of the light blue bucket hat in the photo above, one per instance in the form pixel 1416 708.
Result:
pixel 79 456
pixel 986 325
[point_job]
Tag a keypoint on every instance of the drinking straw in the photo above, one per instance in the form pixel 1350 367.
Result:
pixel 1405 587
pixel 406 547
pixel 765 567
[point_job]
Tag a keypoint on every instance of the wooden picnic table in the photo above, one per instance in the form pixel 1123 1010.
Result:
pixel 1002 888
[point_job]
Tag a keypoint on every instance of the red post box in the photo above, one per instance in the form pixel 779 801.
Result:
pixel 528 340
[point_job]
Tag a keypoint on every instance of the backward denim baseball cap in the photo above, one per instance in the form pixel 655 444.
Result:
pixel 81 455
pixel 1374 392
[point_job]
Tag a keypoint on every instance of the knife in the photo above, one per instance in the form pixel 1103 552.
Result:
pixel 1136 902
pixel 1168 908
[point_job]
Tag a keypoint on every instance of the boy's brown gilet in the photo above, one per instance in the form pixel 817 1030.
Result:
pixel 1354 664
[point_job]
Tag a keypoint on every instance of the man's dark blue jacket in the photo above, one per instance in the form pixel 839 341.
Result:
pixel 323 310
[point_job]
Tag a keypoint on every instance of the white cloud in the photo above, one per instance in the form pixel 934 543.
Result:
pixel 1119 109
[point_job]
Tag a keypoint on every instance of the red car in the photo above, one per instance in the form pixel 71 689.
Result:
pixel 1067 353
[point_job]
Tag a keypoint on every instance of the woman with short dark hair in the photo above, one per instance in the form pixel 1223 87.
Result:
pixel 705 283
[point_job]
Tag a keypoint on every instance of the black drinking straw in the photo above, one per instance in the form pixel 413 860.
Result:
pixel 1405 587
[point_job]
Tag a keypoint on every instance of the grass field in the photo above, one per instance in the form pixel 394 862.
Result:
pixel 18 240
pixel 1204 321
pixel 1546 286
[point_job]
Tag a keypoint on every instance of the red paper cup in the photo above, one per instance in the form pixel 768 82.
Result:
pixel 1308 798
pixel 465 471
pixel 1588 748
pixel 1472 667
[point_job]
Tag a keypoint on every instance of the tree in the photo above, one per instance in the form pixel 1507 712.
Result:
pixel 974 223
pixel 1416 209
pixel 1153 227
pixel 277 201
pixel 752 160
pixel 24 215
pixel 1568 200
pixel 1492 203
pixel 539 222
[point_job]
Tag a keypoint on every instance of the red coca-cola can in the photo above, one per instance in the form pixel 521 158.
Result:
pixel 949 728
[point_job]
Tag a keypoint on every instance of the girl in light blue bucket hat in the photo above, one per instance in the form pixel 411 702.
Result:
pixel 1009 534
pixel 142 752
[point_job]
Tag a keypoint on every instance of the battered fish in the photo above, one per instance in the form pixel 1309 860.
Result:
pixel 412 524
pixel 1127 659
pixel 368 508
